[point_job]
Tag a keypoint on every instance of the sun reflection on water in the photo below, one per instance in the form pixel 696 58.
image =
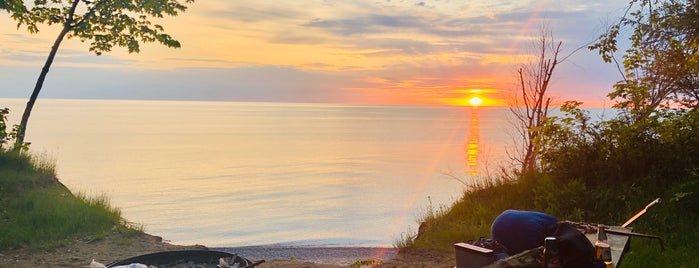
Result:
pixel 472 143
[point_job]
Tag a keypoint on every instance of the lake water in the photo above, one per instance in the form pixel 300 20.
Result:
pixel 228 174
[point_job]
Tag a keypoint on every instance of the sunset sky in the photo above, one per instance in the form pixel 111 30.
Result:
pixel 359 51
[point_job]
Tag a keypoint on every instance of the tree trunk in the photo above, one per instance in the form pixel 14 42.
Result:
pixel 37 88
pixel 67 26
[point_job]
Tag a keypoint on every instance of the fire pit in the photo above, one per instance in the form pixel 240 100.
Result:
pixel 187 258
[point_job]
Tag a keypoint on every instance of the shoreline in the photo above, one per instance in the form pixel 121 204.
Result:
pixel 118 246
pixel 321 255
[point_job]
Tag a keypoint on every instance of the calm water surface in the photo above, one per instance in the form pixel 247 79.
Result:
pixel 238 174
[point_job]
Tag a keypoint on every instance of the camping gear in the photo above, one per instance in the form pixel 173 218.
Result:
pixel 526 259
pixel 643 211
pixel 609 240
pixel 519 230
pixel 473 256
pixel 628 232
pixel 575 249
pixel 551 256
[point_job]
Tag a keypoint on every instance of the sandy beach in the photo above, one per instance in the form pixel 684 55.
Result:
pixel 117 246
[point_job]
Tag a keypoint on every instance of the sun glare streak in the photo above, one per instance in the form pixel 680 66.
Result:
pixel 420 185
pixel 527 26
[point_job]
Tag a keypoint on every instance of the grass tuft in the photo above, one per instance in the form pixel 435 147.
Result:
pixel 36 210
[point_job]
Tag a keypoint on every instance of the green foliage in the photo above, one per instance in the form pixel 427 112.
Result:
pixel 37 211
pixel 405 240
pixel 18 11
pixel 470 217
pixel 52 214
pixel 618 152
pixel 21 171
pixel 675 220
pixel 607 44
pixel 104 23
pixel 661 67
pixel 562 134
pixel 365 263
pixel 7 138
pixel 596 172
pixel 564 200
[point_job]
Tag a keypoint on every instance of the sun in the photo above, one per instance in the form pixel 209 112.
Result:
pixel 474 98
pixel 475 101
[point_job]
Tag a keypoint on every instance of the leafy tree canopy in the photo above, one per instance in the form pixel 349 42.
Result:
pixel 661 68
pixel 102 23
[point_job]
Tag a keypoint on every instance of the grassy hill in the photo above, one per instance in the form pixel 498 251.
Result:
pixel 36 210
pixel 675 219
pixel 595 172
